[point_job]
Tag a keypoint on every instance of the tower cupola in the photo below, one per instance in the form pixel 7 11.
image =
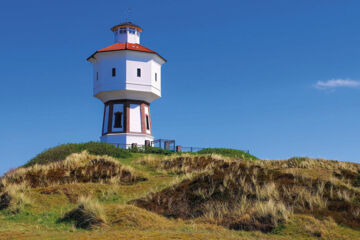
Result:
pixel 126 32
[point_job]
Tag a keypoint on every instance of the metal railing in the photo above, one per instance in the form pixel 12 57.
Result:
pixel 165 144
pixel 191 149
pixel 127 146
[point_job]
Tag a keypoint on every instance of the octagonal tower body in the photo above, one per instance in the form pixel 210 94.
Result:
pixel 126 78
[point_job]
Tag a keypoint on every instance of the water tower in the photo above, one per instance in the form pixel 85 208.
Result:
pixel 126 78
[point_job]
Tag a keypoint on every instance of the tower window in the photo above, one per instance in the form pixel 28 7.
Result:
pixel 155 76
pixel 139 72
pixel 114 72
pixel 117 121
pixel 147 122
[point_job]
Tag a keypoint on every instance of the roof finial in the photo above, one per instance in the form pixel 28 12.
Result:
pixel 128 15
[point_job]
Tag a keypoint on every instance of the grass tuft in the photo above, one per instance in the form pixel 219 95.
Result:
pixel 87 215
pixel 14 198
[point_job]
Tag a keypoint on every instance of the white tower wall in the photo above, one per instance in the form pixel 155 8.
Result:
pixel 126 78
pixel 108 87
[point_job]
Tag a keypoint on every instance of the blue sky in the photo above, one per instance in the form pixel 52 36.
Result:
pixel 279 78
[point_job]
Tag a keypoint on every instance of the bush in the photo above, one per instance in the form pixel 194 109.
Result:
pixel 228 152
pixel 101 148
pixel 14 199
pixel 87 215
pixel 60 152
pixel 151 150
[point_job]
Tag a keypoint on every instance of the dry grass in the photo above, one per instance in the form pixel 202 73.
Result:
pixel 310 163
pixel 88 214
pixel 78 167
pixel 200 194
pixel 128 216
pixel 185 163
pixel 246 214
pixel 92 205
pixel 14 198
pixel 268 194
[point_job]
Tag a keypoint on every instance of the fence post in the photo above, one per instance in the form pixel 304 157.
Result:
pixel 178 148
pixel 167 145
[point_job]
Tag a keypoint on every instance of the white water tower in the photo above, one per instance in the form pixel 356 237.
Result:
pixel 127 78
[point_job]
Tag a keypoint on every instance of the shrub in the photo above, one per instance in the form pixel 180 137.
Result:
pixel 88 214
pixel 60 152
pixel 14 198
pixel 228 152
pixel 151 150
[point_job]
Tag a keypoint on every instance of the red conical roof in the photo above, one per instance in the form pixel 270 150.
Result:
pixel 126 46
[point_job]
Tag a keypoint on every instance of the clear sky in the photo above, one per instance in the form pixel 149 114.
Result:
pixel 280 78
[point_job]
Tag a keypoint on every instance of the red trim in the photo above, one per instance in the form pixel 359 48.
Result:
pixel 127 117
pixel 126 123
pixel 150 120
pixel 102 131
pixel 143 116
pixel 126 46
pixel 111 108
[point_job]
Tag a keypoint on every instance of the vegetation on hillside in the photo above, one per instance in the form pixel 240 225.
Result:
pixel 227 152
pixel 259 195
pixel 76 168
pixel 215 194
pixel 60 152
pixel 88 214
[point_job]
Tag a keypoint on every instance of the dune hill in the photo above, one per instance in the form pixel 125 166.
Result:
pixel 96 191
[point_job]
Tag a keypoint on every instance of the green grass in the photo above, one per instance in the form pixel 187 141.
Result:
pixel 60 152
pixel 228 152
pixel 151 150
pixel 46 218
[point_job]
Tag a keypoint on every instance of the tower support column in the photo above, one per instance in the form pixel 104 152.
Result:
pixel 126 122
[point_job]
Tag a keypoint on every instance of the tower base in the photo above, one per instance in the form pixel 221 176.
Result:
pixel 124 140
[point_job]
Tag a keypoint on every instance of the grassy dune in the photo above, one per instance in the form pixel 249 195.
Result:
pixel 141 195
